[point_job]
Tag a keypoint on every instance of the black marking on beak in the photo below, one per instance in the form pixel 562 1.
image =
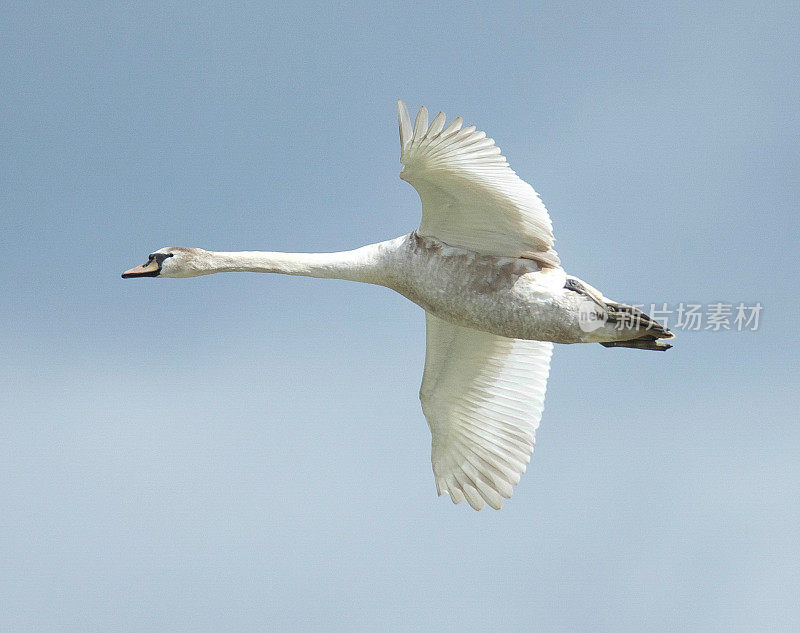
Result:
pixel 151 268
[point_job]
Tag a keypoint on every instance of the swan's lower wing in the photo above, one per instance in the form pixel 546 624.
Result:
pixel 483 397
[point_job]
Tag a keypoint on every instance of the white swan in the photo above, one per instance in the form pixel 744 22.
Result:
pixel 482 266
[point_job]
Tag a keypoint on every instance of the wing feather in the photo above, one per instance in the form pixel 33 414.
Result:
pixel 470 197
pixel 420 126
pixel 483 397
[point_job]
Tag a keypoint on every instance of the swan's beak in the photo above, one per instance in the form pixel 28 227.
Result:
pixel 149 269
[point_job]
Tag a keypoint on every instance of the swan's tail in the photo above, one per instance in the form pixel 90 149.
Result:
pixel 645 342
pixel 653 330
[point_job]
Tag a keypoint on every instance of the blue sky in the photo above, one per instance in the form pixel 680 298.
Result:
pixel 247 452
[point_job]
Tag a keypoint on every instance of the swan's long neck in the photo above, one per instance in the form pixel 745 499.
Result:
pixel 362 264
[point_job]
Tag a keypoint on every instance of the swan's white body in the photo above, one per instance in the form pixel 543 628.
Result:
pixel 482 266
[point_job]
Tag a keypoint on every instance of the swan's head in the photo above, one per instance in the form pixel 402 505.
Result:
pixel 172 261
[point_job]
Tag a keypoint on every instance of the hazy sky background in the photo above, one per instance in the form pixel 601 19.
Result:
pixel 247 452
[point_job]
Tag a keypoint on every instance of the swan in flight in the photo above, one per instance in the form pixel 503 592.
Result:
pixel 482 266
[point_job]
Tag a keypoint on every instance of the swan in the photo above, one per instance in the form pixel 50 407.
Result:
pixel 482 266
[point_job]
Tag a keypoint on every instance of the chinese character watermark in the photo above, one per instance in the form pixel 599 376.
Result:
pixel 713 317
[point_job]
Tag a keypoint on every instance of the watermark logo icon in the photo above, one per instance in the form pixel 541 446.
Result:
pixel 590 318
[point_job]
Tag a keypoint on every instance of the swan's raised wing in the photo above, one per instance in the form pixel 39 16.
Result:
pixel 470 197
pixel 483 396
